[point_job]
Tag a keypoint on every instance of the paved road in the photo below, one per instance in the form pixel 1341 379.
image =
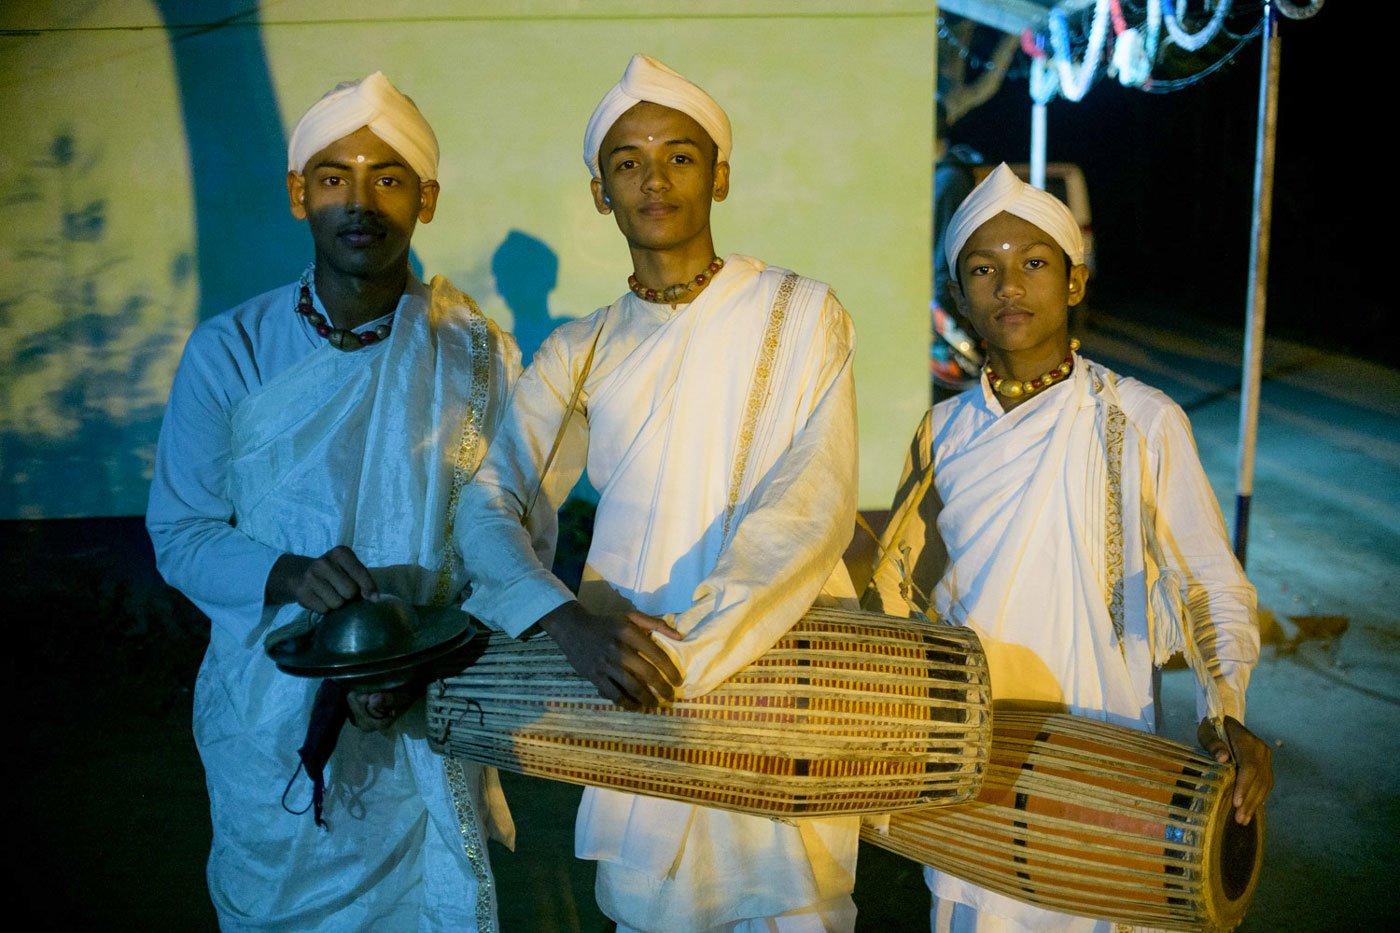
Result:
pixel 1324 549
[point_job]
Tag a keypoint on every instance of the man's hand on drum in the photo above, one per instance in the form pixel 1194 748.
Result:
pixel 1254 770
pixel 617 654
pixel 320 583
pixel 376 711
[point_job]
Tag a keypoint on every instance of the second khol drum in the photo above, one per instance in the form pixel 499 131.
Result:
pixel 1088 818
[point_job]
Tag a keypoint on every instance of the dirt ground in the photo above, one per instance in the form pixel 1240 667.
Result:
pixel 112 827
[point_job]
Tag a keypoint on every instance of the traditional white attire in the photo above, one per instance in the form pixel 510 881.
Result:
pixel 721 435
pixel 1078 535
pixel 274 442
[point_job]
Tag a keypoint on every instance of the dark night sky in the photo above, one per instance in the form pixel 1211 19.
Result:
pixel 1171 179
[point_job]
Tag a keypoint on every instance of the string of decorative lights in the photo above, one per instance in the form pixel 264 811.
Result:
pixel 1135 48
pixel 1180 84
pixel 950 41
pixel 1076 79
pixel 1193 41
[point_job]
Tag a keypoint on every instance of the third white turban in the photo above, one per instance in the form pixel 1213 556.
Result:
pixel 1003 190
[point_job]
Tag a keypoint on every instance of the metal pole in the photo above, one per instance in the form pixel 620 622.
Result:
pixel 1038 145
pixel 1259 275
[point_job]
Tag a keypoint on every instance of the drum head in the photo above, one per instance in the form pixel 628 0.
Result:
pixel 1231 884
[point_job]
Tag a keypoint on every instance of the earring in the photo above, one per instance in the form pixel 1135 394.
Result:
pixel 607 199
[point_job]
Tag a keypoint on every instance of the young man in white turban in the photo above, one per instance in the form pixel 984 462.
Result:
pixel 715 413
pixel 1061 511
pixel 310 454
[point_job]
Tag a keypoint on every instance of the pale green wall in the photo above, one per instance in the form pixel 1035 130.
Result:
pixel 832 140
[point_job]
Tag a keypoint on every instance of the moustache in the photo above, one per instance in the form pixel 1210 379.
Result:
pixel 361 227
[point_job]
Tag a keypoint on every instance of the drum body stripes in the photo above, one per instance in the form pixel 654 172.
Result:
pixel 850 712
pixel 1085 817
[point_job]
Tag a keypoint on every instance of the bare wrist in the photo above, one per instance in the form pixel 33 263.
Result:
pixel 560 616
pixel 278 589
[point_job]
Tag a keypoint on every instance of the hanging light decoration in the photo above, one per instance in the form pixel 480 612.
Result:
pixel 1298 11
pixel 1190 41
pixel 1076 79
pixel 1134 48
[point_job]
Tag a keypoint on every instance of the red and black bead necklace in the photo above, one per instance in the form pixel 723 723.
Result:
pixel 338 337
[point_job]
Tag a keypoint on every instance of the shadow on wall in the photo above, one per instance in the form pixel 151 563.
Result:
pixel 83 393
pixel 526 270
pixel 77 429
pixel 247 241
pixel 82 404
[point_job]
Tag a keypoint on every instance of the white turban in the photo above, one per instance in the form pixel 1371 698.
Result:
pixel 371 102
pixel 646 79
pixel 1004 191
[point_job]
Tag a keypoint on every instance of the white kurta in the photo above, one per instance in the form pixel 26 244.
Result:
pixel 722 440
pixel 274 442
pixel 1054 523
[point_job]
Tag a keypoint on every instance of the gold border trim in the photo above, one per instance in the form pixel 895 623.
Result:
pixel 469 441
pixel 467 445
pixel 473 845
pixel 758 394
pixel 1114 424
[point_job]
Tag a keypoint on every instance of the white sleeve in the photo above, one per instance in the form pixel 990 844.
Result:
pixel 1220 600
pixel 508 562
pixel 189 515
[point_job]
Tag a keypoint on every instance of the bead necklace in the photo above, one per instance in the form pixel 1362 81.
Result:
pixel 672 294
pixel 338 337
pixel 1012 388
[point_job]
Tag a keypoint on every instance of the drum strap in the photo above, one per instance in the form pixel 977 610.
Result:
pixel 1173 627
pixel 758 395
pixel 908 588
pixel 568 414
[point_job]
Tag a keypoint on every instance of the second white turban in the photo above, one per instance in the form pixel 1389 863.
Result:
pixel 647 79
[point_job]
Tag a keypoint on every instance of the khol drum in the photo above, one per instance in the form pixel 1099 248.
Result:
pixel 851 712
pixel 1089 818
